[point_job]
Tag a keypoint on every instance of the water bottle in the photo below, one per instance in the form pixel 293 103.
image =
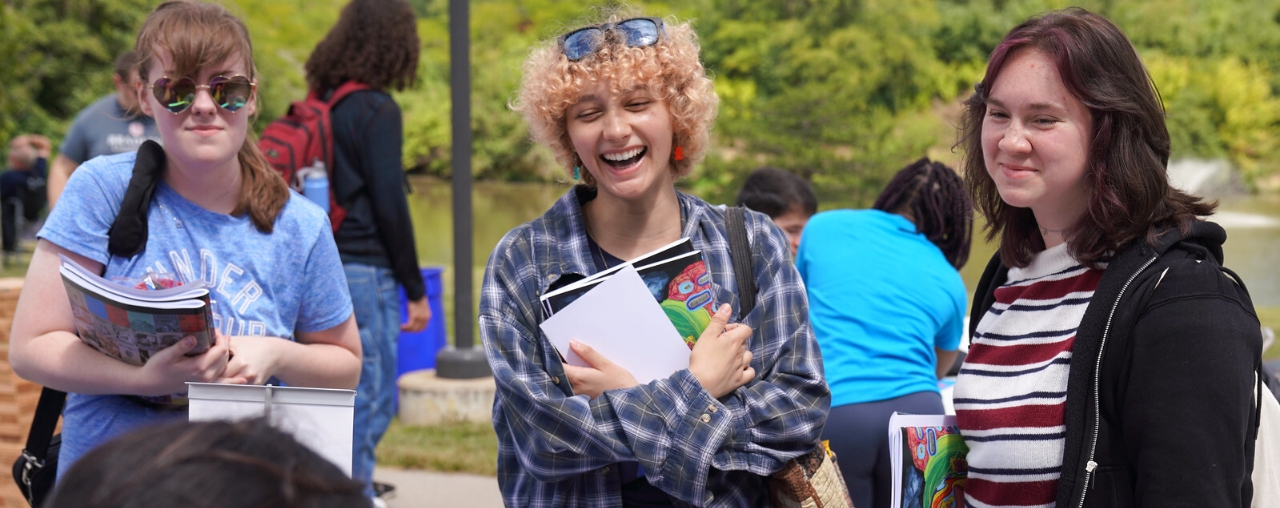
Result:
pixel 315 185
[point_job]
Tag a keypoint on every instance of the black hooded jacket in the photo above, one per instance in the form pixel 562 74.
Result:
pixel 1159 408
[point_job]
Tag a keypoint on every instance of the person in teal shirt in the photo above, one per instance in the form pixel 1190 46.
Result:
pixel 887 306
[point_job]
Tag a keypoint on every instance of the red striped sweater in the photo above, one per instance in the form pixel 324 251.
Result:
pixel 1010 394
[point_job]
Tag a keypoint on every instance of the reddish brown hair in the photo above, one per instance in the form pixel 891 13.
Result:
pixel 1130 195
pixel 198 35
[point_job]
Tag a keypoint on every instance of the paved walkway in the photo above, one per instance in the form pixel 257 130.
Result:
pixel 429 489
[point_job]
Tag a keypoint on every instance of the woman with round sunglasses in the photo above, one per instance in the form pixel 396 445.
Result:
pixel 218 214
pixel 1112 357
pixel 626 106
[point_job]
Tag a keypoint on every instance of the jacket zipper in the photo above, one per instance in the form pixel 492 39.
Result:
pixel 1090 465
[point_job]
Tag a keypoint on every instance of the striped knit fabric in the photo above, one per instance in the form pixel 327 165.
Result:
pixel 1010 394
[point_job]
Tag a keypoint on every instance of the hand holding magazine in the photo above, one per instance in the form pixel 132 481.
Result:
pixel 927 457
pixel 644 315
pixel 132 324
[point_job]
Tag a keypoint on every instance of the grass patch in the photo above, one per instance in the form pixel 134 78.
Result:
pixel 452 447
pixel 1270 317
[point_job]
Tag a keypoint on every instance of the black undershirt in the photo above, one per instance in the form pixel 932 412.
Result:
pixel 637 492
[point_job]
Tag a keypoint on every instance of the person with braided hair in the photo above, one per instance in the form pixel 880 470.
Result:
pixel 887 306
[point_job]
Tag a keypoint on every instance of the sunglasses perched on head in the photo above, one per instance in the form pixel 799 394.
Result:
pixel 230 93
pixel 636 32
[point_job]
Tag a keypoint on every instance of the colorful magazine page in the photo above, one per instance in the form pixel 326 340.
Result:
pixel 681 285
pixel 927 455
pixel 118 322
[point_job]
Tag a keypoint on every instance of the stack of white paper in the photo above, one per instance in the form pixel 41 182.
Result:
pixel 620 319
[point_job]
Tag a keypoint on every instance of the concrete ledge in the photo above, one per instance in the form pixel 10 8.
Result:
pixel 426 399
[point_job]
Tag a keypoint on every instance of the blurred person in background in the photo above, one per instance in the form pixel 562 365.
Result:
pixel 375 43
pixel 887 305
pixel 786 198
pixel 22 187
pixel 113 124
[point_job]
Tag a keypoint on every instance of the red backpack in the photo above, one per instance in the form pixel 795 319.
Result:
pixel 303 136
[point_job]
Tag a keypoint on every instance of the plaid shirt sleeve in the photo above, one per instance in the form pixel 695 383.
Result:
pixel 780 415
pixel 698 449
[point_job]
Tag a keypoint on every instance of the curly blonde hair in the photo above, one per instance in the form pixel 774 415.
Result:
pixel 671 69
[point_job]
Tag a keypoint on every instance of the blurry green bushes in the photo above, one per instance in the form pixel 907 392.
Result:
pixel 841 91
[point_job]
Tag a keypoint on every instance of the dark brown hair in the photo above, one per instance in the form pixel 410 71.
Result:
pixel 932 196
pixel 1130 195
pixel 125 63
pixel 198 35
pixel 374 42
pixel 775 192
pixel 215 464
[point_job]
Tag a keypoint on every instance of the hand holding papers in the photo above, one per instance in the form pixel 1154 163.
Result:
pixel 620 319
pixel 644 315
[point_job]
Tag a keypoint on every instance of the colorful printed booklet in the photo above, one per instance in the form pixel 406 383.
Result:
pixel 132 324
pixel 676 276
pixel 927 456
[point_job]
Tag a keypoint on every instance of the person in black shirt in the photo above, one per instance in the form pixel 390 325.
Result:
pixel 375 43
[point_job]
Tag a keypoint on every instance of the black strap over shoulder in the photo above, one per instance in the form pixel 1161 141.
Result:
pixel 44 422
pixel 740 253
pixel 128 234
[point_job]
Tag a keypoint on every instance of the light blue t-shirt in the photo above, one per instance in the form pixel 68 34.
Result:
pixel 262 284
pixel 881 298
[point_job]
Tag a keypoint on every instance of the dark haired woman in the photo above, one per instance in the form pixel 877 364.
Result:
pixel 219 214
pixel 214 464
pixel 784 197
pixel 887 306
pixel 1112 360
pixel 375 43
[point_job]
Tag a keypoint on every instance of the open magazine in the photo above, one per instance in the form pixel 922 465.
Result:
pixel 132 324
pixel 928 460
pixel 676 276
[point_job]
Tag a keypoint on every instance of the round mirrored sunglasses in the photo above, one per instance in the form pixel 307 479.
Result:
pixel 636 32
pixel 229 93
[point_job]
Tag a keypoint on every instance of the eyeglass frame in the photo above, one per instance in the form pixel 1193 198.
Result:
pixel 612 26
pixel 253 89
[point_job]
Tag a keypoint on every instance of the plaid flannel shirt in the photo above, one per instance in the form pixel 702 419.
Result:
pixel 556 449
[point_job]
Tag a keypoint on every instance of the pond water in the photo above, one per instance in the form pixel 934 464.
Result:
pixel 1252 223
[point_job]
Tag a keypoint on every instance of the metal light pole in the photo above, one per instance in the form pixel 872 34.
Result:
pixel 463 361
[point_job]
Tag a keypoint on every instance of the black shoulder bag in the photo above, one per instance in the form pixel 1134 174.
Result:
pixel 812 478
pixel 37 468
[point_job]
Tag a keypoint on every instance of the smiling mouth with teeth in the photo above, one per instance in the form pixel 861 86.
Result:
pixel 624 159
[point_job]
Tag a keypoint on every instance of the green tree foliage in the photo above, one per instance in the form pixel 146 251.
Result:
pixel 841 91
pixel 58 57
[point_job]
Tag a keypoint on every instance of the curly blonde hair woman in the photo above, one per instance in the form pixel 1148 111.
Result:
pixel 626 106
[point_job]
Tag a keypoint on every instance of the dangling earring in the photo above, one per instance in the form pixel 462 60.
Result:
pixel 679 153
pixel 577 175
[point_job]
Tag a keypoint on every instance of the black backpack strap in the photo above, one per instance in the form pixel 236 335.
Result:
pixel 740 252
pixel 128 234
pixel 43 424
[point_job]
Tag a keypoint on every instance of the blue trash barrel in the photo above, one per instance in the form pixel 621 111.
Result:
pixel 417 350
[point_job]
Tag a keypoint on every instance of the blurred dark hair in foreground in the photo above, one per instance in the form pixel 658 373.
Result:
pixel 219 464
